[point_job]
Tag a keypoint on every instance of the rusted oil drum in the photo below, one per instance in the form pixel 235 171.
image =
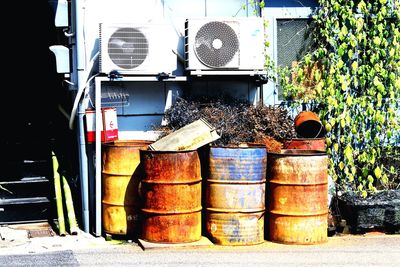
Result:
pixel 171 193
pixel 298 196
pixel 121 208
pixel 235 195
pixel 305 143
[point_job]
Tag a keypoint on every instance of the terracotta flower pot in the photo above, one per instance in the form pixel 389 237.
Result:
pixel 308 125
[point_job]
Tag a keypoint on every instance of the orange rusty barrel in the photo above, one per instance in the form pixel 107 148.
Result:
pixel 298 196
pixel 305 143
pixel 308 125
pixel 171 193
pixel 121 208
pixel 235 195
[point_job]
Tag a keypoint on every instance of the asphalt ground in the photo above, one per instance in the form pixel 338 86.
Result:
pixel 83 249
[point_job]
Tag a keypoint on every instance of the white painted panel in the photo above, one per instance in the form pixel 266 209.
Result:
pixel 185 8
pixel 173 91
pixel 232 8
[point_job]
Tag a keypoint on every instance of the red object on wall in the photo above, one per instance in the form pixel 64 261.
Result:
pixel 109 127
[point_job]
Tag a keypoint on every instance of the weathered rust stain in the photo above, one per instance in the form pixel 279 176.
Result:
pixel 171 228
pixel 171 198
pixel 121 220
pixel 305 143
pixel 298 230
pixel 173 166
pixel 120 179
pixel 235 228
pixel 298 196
pixel 235 195
pixel 171 194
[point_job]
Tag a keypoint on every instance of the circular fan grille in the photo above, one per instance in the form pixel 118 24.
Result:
pixel 128 48
pixel 216 44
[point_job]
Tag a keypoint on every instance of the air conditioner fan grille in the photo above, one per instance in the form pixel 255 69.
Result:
pixel 216 44
pixel 128 48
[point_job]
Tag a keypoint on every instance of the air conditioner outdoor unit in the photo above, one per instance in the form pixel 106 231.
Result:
pixel 136 49
pixel 224 43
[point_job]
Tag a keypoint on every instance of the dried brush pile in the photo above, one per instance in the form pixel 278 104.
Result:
pixel 235 121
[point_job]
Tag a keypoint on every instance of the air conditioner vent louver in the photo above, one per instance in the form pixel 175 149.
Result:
pixel 128 48
pixel 136 48
pixel 216 43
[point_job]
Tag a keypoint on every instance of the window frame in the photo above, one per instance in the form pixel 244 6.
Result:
pixel 271 15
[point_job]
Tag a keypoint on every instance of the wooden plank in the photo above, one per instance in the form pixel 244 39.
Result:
pixel 189 137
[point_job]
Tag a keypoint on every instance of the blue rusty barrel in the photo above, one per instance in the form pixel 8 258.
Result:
pixel 235 195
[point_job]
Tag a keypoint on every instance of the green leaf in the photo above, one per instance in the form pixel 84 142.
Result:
pixel 341 165
pixel 378 172
pixel 348 153
pixel 336 147
pixel 354 66
pixel 364 194
pixel 385 179
pixel 365 171
pixel 342 123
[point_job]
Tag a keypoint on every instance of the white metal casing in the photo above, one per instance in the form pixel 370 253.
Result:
pixel 159 57
pixel 250 34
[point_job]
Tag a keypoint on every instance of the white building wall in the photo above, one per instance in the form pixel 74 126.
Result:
pixel 148 100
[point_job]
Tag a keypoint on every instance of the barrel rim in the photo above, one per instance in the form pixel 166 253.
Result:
pixel 279 182
pixel 164 182
pixel 214 181
pixel 125 143
pixel 241 211
pixel 299 152
pixel 298 214
pixel 171 212
pixel 255 146
pixel 305 139
pixel 167 151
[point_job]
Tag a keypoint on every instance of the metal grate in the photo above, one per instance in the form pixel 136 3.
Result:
pixel 293 41
pixel 40 233
pixel 128 48
pixel 216 43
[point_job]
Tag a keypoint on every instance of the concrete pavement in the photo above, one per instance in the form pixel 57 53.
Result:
pixel 372 249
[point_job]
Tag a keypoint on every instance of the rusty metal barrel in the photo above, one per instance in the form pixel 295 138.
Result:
pixel 235 195
pixel 298 195
pixel 120 202
pixel 171 193
pixel 305 143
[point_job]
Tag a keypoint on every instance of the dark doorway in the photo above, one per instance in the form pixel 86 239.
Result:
pixel 33 126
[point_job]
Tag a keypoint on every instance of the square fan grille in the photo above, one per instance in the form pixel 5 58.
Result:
pixel 224 44
pixel 136 48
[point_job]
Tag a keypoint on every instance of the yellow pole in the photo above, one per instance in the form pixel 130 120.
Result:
pixel 73 225
pixel 58 195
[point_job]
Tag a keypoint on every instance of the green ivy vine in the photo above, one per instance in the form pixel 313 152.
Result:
pixel 352 75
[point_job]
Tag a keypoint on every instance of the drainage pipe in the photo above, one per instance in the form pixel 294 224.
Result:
pixel 78 75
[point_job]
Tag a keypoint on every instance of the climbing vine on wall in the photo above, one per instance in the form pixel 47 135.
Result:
pixel 352 75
